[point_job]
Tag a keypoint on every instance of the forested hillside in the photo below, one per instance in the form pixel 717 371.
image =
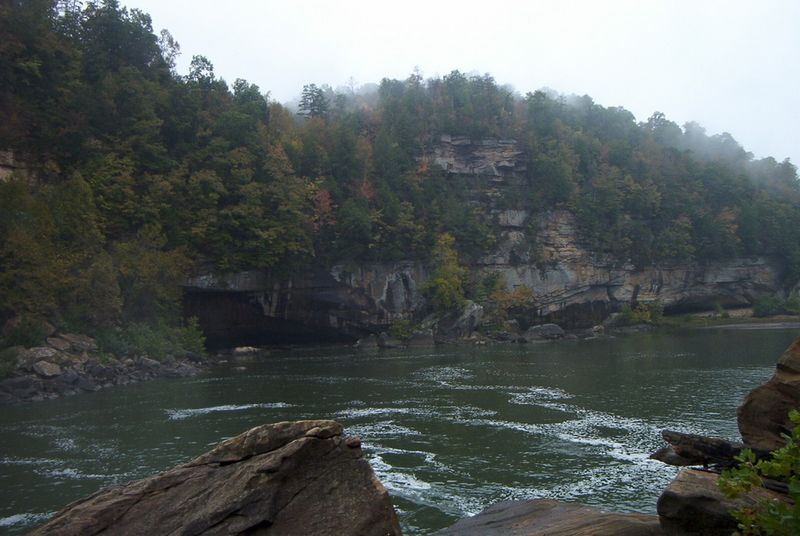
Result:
pixel 135 174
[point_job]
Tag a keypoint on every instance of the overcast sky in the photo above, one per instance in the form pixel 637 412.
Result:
pixel 729 65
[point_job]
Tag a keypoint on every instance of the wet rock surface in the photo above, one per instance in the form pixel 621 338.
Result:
pixel 542 517
pixel 763 417
pixel 289 478
pixel 693 504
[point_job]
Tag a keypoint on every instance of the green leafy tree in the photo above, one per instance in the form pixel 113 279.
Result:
pixel 445 289
pixel 96 299
pixel 768 517
pixel 313 102
pixel 150 275
pixel 32 273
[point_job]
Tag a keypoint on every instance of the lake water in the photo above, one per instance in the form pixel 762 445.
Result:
pixel 449 431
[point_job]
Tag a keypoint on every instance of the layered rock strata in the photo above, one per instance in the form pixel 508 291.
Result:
pixel 571 285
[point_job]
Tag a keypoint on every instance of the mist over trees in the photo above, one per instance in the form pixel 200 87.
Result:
pixel 141 174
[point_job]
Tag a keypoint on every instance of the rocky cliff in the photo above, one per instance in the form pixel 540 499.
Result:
pixel 340 304
pixel 566 276
pixel 572 285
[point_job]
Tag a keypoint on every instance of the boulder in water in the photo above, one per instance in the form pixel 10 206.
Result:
pixel 288 478
pixel 764 415
pixel 544 332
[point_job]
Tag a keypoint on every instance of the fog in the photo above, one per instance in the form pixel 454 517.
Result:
pixel 730 66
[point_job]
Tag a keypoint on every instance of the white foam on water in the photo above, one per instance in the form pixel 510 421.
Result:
pixel 23 519
pixel 355 413
pixel 381 429
pixel 429 457
pixel 637 438
pixel 178 414
pixel 617 479
pixel 405 484
pixel 444 375
pixel 533 429
pixel 27 461
pixel 463 412
pixel 65 443
pixel 74 474
pixel 535 395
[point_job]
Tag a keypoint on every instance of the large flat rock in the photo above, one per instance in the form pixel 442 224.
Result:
pixel 693 504
pixel 763 416
pixel 540 517
pixel 289 478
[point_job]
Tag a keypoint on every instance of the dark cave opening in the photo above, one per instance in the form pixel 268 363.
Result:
pixel 230 319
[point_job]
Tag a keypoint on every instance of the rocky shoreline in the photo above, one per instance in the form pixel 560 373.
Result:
pixel 71 363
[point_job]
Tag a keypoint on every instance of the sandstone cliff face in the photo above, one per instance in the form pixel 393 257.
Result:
pixel 573 286
pixel 490 158
pixel 291 478
pixel 563 272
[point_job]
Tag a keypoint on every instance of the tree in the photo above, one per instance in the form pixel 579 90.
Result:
pixel 313 102
pixel 150 275
pixel 446 287
pixel 170 49
pixel 201 70
pixel 31 273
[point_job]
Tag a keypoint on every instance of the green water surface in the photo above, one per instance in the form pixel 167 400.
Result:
pixel 449 431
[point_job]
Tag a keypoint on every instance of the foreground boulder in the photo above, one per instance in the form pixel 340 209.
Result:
pixel 289 478
pixel 540 517
pixel 693 504
pixel 763 417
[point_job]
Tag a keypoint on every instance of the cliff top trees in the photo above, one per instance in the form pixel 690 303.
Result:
pixel 122 145
pixel 313 102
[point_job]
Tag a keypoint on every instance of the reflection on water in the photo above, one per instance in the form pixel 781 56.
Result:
pixel 448 432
